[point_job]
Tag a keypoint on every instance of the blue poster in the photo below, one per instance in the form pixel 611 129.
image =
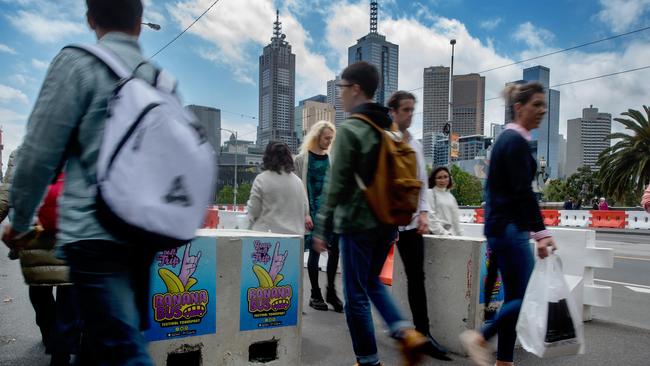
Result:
pixel 183 291
pixel 497 290
pixel 270 281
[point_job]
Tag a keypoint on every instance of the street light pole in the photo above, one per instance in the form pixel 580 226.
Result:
pixel 451 100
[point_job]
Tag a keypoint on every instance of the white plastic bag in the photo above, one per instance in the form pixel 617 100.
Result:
pixel 549 323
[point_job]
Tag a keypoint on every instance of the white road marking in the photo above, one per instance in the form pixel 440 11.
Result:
pixel 639 289
pixel 624 283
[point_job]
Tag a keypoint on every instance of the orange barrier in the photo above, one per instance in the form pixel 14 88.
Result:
pixel 480 216
pixel 211 219
pixel 386 275
pixel 608 219
pixel 551 217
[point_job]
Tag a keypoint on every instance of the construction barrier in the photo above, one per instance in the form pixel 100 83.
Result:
pixel 575 218
pixel 386 275
pixel 211 219
pixel 467 216
pixel 551 217
pixel 480 216
pixel 608 219
pixel 638 220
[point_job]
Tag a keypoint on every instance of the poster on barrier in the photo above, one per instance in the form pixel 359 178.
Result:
pixel 182 295
pixel 270 283
pixel 497 296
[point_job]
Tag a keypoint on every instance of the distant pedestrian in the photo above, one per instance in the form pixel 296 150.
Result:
pixel 511 214
pixel 602 205
pixel 278 202
pixel 568 203
pixel 364 240
pixel 411 243
pixel 578 204
pixel 312 165
pixel 594 204
pixel 444 216
pixel 645 200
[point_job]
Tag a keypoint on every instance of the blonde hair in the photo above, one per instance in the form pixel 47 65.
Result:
pixel 311 139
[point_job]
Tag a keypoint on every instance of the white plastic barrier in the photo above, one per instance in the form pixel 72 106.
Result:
pixel 232 220
pixel 575 218
pixel 638 220
pixel 467 216
pixel 580 256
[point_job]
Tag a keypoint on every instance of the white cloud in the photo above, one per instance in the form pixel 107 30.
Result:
pixel 534 37
pixel 42 29
pixel 40 65
pixel 153 13
pixel 621 15
pixel 8 93
pixel 490 24
pixel 238 40
pixel 6 49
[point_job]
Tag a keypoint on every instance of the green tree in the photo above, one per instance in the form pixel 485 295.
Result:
pixel 243 192
pixel 225 195
pixel 467 188
pixel 583 184
pixel 625 166
pixel 555 190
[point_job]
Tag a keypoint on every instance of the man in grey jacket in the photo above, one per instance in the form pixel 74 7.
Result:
pixel 111 277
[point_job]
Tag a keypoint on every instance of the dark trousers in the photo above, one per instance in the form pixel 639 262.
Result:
pixel 332 264
pixel 42 299
pixel 411 250
pixel 112 286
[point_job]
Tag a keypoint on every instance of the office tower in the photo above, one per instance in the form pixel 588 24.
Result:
pixel 468 106
pixel 210 118
pixel 374 49
pixel 277 90
pixel 586 139
pixel 334 99
pixel 435 106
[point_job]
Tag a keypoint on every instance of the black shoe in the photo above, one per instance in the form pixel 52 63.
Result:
pixel 435 350
pixel 316 300
pixel 334 300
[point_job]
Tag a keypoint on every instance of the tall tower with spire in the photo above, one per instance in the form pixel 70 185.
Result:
pixel 374 49
pixel 277 90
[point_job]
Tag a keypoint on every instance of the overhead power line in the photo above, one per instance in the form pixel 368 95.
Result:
pixel 184 30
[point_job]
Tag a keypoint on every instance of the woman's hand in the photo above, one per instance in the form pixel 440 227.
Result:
pixel 543 245
pixel 309 224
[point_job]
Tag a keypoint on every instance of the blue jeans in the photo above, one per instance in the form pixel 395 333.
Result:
pixel 514 258
pixel 362 258
pixel 112 285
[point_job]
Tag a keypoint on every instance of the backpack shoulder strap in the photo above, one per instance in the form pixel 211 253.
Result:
pixel 108 57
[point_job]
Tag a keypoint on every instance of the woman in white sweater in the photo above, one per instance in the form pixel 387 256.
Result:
pixel 278 202
pixel 444 217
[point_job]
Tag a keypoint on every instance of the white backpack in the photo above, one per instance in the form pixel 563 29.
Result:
pixel 156 169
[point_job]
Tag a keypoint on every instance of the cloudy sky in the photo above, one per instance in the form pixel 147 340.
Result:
pixel 216 60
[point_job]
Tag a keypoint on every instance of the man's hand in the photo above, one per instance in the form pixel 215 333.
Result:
pixel 318 245
pixel 543 245
pixel 11 238
pixel 423 223
pixel 309 223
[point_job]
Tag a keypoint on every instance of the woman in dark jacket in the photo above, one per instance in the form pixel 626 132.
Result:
pixel 512 216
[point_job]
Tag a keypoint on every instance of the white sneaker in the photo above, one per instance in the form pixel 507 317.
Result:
pixel 476 348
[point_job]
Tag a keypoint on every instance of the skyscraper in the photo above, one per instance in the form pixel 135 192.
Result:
pixel 334 99
pixel 311 110
pixel 277 90
pixel 374 49
pixel 435 107
pixel 210 118
pixel 468 108
pixel 586 139
pixel 545 142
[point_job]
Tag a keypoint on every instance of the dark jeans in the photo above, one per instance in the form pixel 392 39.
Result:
pixel 112 284
pixel 332 264
pixel 362 257
pixel 514 258
pixel 411 250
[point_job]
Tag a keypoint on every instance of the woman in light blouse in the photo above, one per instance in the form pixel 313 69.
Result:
pixel 444 217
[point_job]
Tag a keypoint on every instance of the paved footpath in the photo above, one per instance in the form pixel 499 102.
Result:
pixel 325 337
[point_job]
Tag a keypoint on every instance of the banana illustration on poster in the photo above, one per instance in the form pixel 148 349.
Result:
pixel 183 291
pixel 269 283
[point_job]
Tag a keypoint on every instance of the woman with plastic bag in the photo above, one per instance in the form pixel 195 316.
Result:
pixel 511 215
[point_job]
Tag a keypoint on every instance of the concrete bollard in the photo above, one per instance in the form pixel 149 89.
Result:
pixel 241 309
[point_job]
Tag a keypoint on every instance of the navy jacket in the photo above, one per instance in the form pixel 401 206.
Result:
pixel 509 194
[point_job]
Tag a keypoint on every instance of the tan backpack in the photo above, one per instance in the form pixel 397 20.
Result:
pixel 394 192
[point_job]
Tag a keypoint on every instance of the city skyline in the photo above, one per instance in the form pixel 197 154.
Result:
pixel 215 60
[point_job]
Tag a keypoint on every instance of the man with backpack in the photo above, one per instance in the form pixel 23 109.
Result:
pixel 67 125
pixel 411 242
pixel 363 205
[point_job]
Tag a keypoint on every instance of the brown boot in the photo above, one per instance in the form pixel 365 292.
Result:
pixel 413 345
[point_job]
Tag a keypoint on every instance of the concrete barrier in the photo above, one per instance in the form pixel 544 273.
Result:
pixel 580 256
pixel 232 220
pixel 575 218
pixel 467 216
pixel 638 220
pixel 239 311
